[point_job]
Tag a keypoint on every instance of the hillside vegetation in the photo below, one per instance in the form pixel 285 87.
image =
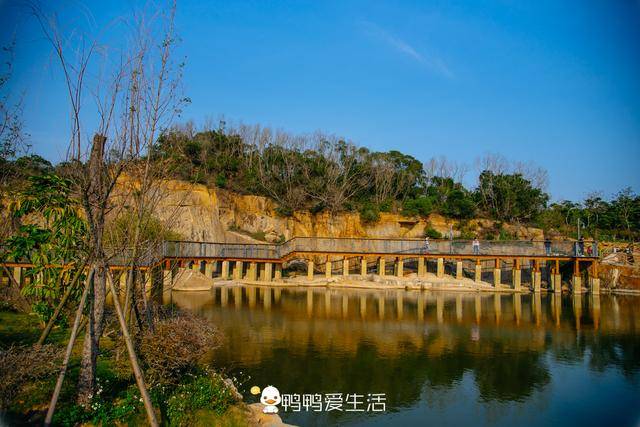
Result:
pixel 320 172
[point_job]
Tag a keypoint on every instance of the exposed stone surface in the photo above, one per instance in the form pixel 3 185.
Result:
pixel 191 280
pixel 211 214
pixel 259 418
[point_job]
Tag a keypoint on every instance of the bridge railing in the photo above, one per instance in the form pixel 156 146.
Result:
pixel 220 250
pixel 419 246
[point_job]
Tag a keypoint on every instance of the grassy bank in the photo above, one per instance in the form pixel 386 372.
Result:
pixel 191 395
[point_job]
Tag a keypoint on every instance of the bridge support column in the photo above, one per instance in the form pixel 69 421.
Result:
pixel 517 279
pixel 478 272
pixel 594 278
pixel 556 278
pixel 237 271
pixel 278 274
pixel 345 267
pixel 459 271
pixel 517 275
pixel 557 282
pixel 167 277
pixel 252 274
pixel 577 280
pixel 310 269
pixel 261 271
pixel 497 274
pixel 208 269
pixel 268 271
pixel 148 281
pixel 328 266
pixel 17 275
pixel 123 282
pixel 440 270
pixel 225 270
pixel 363 266
pixel 381 266
pixel 536 276
pixel 422 271
pixel 399 267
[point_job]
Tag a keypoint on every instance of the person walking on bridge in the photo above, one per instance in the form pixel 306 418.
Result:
pixel 476 246
pixel 426 245
pixel 547 246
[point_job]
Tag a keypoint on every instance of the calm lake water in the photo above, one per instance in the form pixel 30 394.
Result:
pixel 439 358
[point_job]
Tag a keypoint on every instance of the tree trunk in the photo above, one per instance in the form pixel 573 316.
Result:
pixel 95 326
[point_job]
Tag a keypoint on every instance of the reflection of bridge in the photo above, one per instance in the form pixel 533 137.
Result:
pixel 527 262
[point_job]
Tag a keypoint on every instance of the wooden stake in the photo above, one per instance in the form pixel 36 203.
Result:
pixel 67 356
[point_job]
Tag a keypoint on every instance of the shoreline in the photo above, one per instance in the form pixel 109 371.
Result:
pixel 374 281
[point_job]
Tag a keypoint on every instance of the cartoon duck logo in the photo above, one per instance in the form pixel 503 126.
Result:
pixel 270 398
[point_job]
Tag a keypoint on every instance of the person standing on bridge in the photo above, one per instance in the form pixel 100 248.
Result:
pixel 476 246
pixel 547 245
pixel 581 246
pixel 426 245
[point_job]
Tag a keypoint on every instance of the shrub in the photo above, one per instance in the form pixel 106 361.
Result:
pixel 369 213
pixel 432 233
pixel 20 365
pixel 175 347
pixel 421 206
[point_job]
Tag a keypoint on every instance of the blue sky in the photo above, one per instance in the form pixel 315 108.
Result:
pixel 554 82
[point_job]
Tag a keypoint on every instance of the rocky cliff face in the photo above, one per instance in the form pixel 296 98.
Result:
pixel 211 214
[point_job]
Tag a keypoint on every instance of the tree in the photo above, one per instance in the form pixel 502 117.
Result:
pixel 509 197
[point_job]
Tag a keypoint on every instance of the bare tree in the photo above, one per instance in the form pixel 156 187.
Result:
pixel 136 97
pixel 445 168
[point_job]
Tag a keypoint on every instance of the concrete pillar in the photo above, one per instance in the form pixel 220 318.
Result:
pixel 327 269
pixel 557 282
pixel 595 285
pixel 148 280
pixel 278 273
pixel 17 275
pixel 381 266
pixel 459 271
pixel 363 266
pixel 252 274
pixel 577 284
pixel 208 269
pixel 537 281
pixel 237 271
pixel 399 267
pixel 309 269
pixel 517 279
pixel 422 271
pixel 345 267
pixel 225 270
pixel 268 270
pixel 261 271
pixel 478 272
pixel 167 279
pixel 123 282
pixel 440 270
pixel 497 277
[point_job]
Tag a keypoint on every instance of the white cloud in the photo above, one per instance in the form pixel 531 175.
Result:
pixel 434 63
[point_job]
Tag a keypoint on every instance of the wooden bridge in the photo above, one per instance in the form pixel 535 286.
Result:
pixel 525 262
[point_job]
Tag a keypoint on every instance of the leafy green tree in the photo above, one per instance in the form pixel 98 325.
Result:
pixel 509 197
pixel 51 238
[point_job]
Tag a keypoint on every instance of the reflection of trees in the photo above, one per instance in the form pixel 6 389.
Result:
pixel 329 352
pixel 612 350
pixel 499 375
pixel 510 376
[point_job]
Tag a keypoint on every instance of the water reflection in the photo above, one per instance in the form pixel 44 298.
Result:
pixel 499 351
